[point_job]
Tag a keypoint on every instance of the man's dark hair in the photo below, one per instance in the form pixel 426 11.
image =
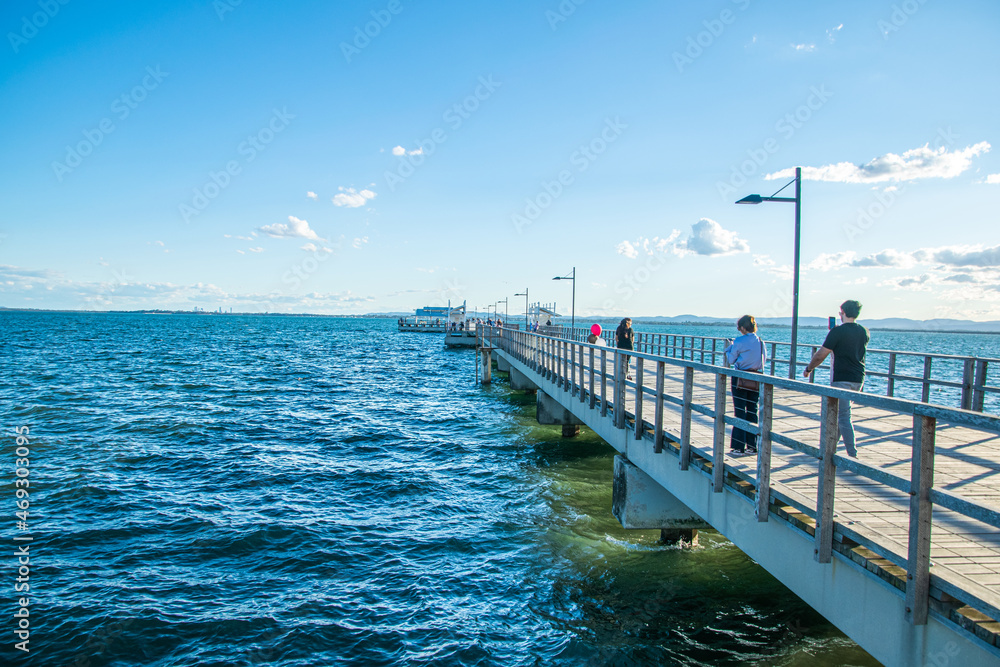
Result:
pixel 851 308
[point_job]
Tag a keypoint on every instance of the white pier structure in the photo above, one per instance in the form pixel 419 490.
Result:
pixel 900 549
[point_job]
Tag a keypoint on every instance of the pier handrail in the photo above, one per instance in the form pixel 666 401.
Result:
pixel 973 388
pixel 582 370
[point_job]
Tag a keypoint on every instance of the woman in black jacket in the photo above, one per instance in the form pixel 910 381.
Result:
pixel 625 338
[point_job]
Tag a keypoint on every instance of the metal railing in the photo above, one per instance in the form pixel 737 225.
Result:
pixel 910 375
pixel 596 375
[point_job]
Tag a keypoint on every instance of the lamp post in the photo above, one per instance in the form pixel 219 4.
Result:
pixel 525 295
pixel 504 302
pixel 572 277
pixel 797 200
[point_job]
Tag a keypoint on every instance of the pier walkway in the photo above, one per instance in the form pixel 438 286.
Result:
pixel 900 549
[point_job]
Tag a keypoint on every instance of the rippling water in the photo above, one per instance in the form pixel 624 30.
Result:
pixel 229 490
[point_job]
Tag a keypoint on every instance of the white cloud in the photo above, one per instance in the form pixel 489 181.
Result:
pixel 257 249
pixel 49 289
pixel 312 247
pixel 923 162
pixel 993 179
pixel 312 195
pixel 627 249
pixel 968 256
pixel 709 238
pixel 831 34
pixel 294 229
pixel 358 242
pixel 399 151
pixel 808 48
pixel 351 198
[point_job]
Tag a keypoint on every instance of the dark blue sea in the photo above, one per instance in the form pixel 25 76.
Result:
pixel 279 490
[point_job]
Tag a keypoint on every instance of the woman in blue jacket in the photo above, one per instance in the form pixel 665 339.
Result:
pixel 745 353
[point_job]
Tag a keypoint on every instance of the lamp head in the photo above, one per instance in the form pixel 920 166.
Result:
pixel 751 199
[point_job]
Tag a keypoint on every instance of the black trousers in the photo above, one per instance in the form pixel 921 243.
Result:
pixel 744 407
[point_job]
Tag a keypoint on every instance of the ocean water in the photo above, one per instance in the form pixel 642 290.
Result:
pixel 241 490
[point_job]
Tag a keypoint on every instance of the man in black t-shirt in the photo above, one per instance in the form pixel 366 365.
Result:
pixel 848 343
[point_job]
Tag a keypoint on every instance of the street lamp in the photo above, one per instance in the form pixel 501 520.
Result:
pixel 797 200
pixel 572 277
pixel 525 295
pixel 504 302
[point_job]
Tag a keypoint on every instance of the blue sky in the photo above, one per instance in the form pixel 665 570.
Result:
pixel 380 156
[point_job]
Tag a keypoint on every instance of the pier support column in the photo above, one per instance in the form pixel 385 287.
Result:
pixel 518 381
pixel 638 501
pixel 487 365
pixel 503 365
pixel 687 537
pixel 550 412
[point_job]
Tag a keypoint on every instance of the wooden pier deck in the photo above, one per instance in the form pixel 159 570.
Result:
pixel 930 530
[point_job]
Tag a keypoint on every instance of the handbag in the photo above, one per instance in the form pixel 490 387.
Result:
pixel 747 384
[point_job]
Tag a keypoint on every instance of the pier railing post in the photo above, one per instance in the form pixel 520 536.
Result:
pixel 593 399
pixel 719 439
pixel 583 394
pixel 619 390
pixel 638 398
pixel 891 380
pixel 571 348
pixel 688 394
pixel 919 552
pixel 604 382
pixel 925 393
pixel 968 369
pixel 764 453
pixel 979 389
pixel 658 414
pixel 829 435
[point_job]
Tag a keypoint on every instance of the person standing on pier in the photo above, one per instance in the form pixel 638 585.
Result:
pixel 625 338
pixel 745 353
pixel 848 342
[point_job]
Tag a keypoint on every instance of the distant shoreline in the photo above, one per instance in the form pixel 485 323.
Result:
pixel 394 315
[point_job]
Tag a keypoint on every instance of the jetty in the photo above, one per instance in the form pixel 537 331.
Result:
pixel 900 549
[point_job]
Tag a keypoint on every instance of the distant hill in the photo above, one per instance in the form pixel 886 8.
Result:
pixel 899 323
